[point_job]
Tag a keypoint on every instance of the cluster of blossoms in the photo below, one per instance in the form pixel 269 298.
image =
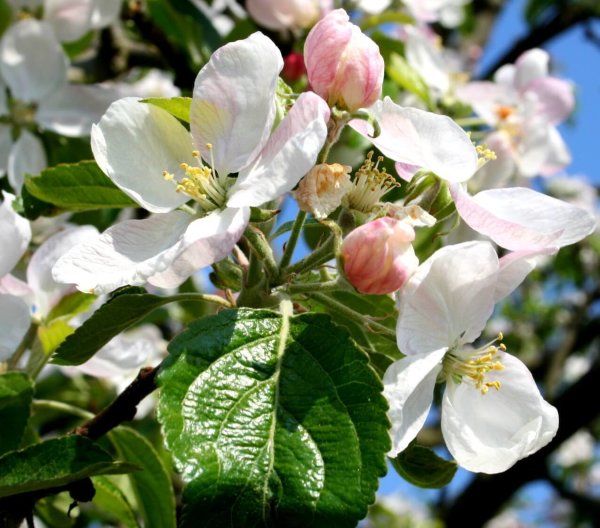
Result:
pixel 251 142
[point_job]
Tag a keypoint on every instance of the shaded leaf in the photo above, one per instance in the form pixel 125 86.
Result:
pixel 16 394
pixel 420 466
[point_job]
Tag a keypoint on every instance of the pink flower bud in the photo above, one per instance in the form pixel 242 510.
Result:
pixel 344 66
pixel 378 256
pixel 285 14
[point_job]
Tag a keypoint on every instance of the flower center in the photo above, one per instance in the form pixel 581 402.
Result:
pixel 202 184
pixel 369 185
pixel 472 366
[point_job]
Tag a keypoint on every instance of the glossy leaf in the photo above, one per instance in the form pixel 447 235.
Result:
pixel 16 394
pixel 55 462
pixel 178 107
pixel 420 466
pixel 273 421
pixel 77 187
pixel 152 485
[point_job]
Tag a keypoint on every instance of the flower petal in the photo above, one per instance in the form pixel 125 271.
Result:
pixel 555 98
pixel 558 154
pixel 15 234
pixel 489 432
pixel 127 253
pixel 73 110
pixel 531 65
pixel 134 143
pixel 206 240
pixel 39 271
pixel 27 156
pixel 32 62
pixel 514 267
pixel 14 324
pixel 522 219
pixel 408 386
pixel 233 106
pixel 431 141
pixel 70 19
pixel 289 154
pixel 449 297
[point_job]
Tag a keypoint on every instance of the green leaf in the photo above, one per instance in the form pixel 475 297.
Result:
pixel 273 421
pixel 77 187
pixel 16 394
pixel 72 304
pixel 152 485
pixel 114 316
pixel 53 334
pixel 113 503
pixel 56 462
pixel 209 34
pixel 178 107
pixel 287 227
pixel 420 466
pixel 407 77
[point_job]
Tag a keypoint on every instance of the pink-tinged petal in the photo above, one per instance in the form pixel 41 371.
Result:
pixel 32 62
pixel 531 65
pixel 514 267
pixel 10 285
pixel 558 154
pixel 555 98
pixel 408 387
pixel 27 156
pixel 486 98
pixel 15 234
pixel 134 143
pixel 14 324
pixel 70 19
pixel 521 219
pixel 489 432
pixel 289 154
pixel 206 241
pixel 448 299
pixel 233 106
pixel 405 170
pixel 127 253
pixel 73 110
pixel 39 271
pixel 431 141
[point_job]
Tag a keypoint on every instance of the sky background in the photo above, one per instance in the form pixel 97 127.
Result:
pixel 576 59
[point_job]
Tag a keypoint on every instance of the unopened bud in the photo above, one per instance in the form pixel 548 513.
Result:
pixel 379 257
pixel 320 192
pixel 344 66
pixel 293 67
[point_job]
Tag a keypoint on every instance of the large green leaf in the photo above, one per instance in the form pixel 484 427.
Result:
pixel 16 394
pixel 178 107
pixel 77 187
pixel 273 421
pixel 117 314
pixel 152 485
pixel 55 462
pixel 420 466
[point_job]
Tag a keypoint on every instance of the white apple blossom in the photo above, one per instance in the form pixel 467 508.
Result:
pixel 151 157
pixel 492 412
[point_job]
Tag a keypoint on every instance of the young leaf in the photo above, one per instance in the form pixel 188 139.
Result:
pixel 407 77
pixel 55 463
pixel 77 187
pixel 16 394
pixel 178 107
pixel 273 421
pixel 420 466
pixel 113 503
pixel 152 485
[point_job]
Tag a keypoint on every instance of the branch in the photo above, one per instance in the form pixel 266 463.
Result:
pixel 487 493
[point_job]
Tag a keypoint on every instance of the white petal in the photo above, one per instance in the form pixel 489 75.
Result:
pixel 70 19
pixel 39 271
pixel 14 323
pixel 531 65
pixel 450 296
pixel 15 234
pixel 489 433
pixel 134 143
pixel 558 156
pixel 126 253
pixel 408 386
pixel 289 154
pixel 32 61
pixel 105 13
pixel 27 156
pixel 514 267
pixel 431 141
pixel 233 106
pixel 521 219
pixel 534 146
pixel 73 110
pixel 207 240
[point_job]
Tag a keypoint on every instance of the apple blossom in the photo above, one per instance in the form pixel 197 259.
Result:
pixel 378 256
pixel 151 157
pixel 344 66
pixel 287 14
pixel 492 411
pixel 320 192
